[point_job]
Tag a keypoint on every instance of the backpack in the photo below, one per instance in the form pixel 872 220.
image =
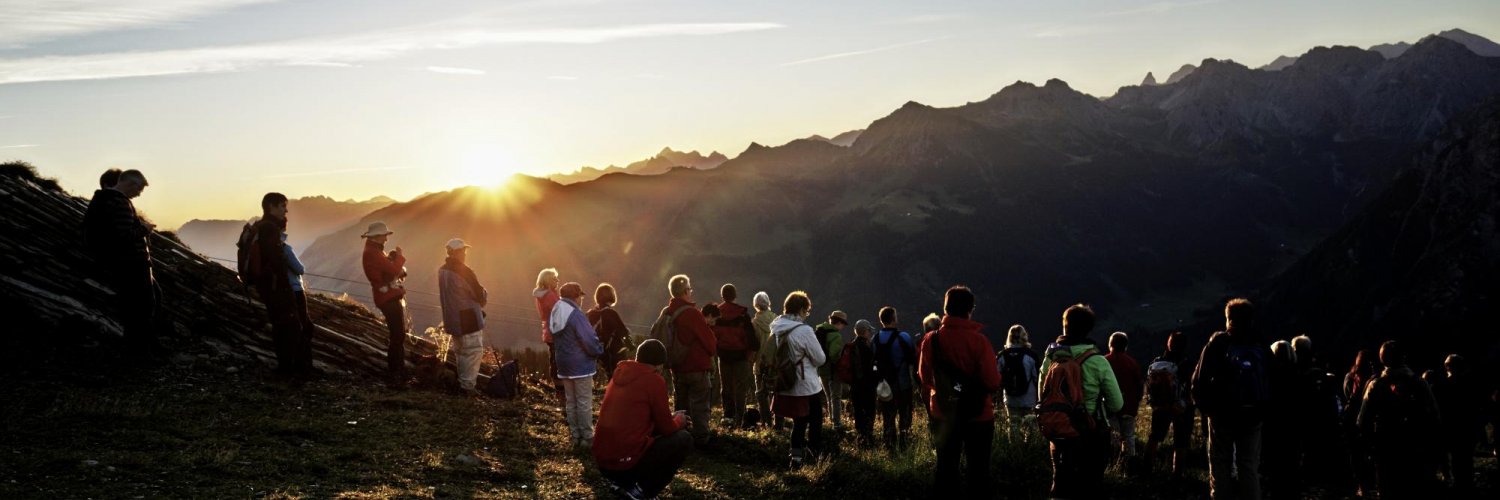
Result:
pixel 665 331
pixel 1163 392
pixel 506 383
pixel 1062 412
pixel 247 256
pixel 732 334
pixel 953 399
pixel 1402 412
pixel 822 335
pixel 844 369
pixel 885 361
pixel 785 372
pixel 1248 384
pixel 1013 373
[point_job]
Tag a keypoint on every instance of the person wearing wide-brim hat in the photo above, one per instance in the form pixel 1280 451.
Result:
pixel 385 273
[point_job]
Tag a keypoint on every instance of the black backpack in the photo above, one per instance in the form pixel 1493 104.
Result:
pixel 506 383
pixel 247 257
pixel 1013 375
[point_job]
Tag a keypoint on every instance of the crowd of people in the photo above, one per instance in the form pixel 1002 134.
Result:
pixel 1274 416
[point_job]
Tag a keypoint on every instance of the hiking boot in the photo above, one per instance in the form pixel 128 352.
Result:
pixel 632 492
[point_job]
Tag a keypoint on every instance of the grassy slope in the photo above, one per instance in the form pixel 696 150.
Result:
pixel 192 430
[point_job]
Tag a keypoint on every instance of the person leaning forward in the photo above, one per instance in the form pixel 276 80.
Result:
pixel 385 272
pixel 119 242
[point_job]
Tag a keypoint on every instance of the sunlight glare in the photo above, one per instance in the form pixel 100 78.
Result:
pixel 487 167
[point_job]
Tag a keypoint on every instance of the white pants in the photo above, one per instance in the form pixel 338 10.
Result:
pixel 579 394
pixel 467 351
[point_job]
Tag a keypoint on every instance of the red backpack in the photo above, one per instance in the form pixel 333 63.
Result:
pixel 844 370
pixel 1062 412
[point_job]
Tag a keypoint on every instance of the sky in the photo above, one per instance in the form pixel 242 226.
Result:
pixel 220 101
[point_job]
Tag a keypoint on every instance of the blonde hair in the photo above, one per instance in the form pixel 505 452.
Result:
pixel 1018 336
pixel 547 278
pixel 932 322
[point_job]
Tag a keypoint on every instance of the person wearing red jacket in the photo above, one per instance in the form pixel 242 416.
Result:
pixel 1132 387
pixel 640 443
pixel 736 346
pixel 385 273
pixel 547 283
pixel 690 379
pixel 961 356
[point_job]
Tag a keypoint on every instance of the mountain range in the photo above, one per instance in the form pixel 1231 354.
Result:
pixel 309 217
pixel 664 160
pixel 1152 205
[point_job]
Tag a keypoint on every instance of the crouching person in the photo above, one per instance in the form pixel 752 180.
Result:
pixel 640 443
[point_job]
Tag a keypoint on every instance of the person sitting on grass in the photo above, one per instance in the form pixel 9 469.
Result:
pixel 640 442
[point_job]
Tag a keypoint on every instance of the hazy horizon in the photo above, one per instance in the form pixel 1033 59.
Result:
pixel 219 101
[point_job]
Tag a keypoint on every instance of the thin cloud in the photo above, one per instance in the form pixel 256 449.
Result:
pixel 1070 31
pixel 29 21
pixel 19 146
pixel 563 78
pixel 842 55
pixel 450 70
pixel 1157 8
pixel 924 19
pixel 335 172
pixel 322 51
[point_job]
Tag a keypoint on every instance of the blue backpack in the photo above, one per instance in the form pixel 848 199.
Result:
pixel 1248 384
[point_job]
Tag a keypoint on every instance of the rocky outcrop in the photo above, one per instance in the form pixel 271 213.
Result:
pixel 46 287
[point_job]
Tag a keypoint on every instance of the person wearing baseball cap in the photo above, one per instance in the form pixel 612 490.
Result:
pixel 385 273
pixel 577 346
pixel 463 300
pixel 830 335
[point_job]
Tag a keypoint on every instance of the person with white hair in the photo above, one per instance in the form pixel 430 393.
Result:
pixel 762 323
pixel 547 283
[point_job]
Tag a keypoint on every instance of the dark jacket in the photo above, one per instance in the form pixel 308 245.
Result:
pixel 611 329
pixel 1399 411
pixel 273 278
pixel 634 413
pixel 862 364
pixel 1220 387
pixel 113 233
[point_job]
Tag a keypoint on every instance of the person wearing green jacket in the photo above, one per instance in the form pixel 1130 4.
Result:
pixel 1078 463
pixel 830 336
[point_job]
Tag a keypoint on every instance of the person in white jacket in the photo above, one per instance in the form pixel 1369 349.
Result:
pixel 803 403
pixel 463 301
